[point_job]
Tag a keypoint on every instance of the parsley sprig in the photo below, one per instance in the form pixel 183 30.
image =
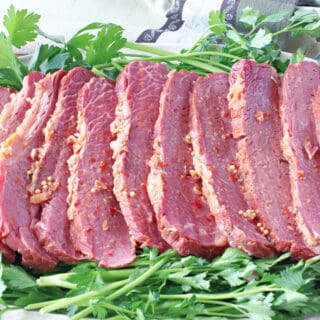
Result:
pixel 102 48
pixel 169 286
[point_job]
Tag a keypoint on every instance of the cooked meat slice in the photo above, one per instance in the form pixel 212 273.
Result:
pixel 48 187
pixel 98 228
pixel 301 147
pixel 14 111
pixel 254 105
pixel 184 218
pixel 214 159
pixel 5 96
pixel 138 88
pixel 13 108
pixel 15 161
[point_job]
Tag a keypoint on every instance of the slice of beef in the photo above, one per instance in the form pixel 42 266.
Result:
pixel 138 88
pixel 5 96
pixel 184 218
pixel 15 160
pixel 14 111
pixel 13 108
pixel 48 187
pixel 98 228
pixel 215 161
pixel 301 147
pixel 254 105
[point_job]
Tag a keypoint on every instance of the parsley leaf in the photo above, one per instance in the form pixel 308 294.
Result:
pixel 217 22
pixel 106 45
pixel 261 39
pixel 10 71
pixel 21 26
pixel 17 278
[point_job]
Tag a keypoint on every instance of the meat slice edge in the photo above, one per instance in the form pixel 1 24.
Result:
pixel 184 218
pixel 254 105
pixel 301 147
pixel 214 159
pixel 138 89
pixel 15 160
pixel 14 111
pixel 98 227
pixel 48 186
pixel 5 96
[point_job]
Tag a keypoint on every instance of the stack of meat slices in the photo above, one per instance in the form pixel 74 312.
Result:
pixel 91 169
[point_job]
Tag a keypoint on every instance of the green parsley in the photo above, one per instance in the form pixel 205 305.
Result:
pixel 102 48
pixel 168 286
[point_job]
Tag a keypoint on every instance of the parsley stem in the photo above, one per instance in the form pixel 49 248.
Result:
pixel 147 48
pixel 200 53
pixel 57 280
pixel 82 314
pixel 65 302
pixel 204 297
pixel 117 65
pixel 53 305
pixel 167 55
pixel 138 280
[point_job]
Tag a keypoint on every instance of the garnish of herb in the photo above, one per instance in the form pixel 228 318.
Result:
pixel 169 286
pixel 102 47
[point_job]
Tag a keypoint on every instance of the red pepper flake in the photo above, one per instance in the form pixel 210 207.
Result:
pixel 215 149
pixel 143 186
pixel 162 164
pixel 102 164
pixel 196 203
pixel 88 230
pixel 301 175
pixel 225 114
pixel 233 177
pixel 113 210
pixel 110 254
pixel 93 160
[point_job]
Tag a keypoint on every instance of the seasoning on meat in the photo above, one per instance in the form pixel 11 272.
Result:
pixel 98 228
pixel 15 161
pixel 266 184
pixel 299 86
pixel 48 188
pixel 183 216
pixel 214 159
pixel 138 88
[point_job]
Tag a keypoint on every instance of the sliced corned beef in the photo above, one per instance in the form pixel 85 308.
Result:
pixel 301 147
pixel 184 218
pixel 254 105
pixel 13 112
pixel 214 159
pixel 138 88
pixel 98 228
pixel 50 177
pixel 5 96
pixel 13 108
pixel 15 161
